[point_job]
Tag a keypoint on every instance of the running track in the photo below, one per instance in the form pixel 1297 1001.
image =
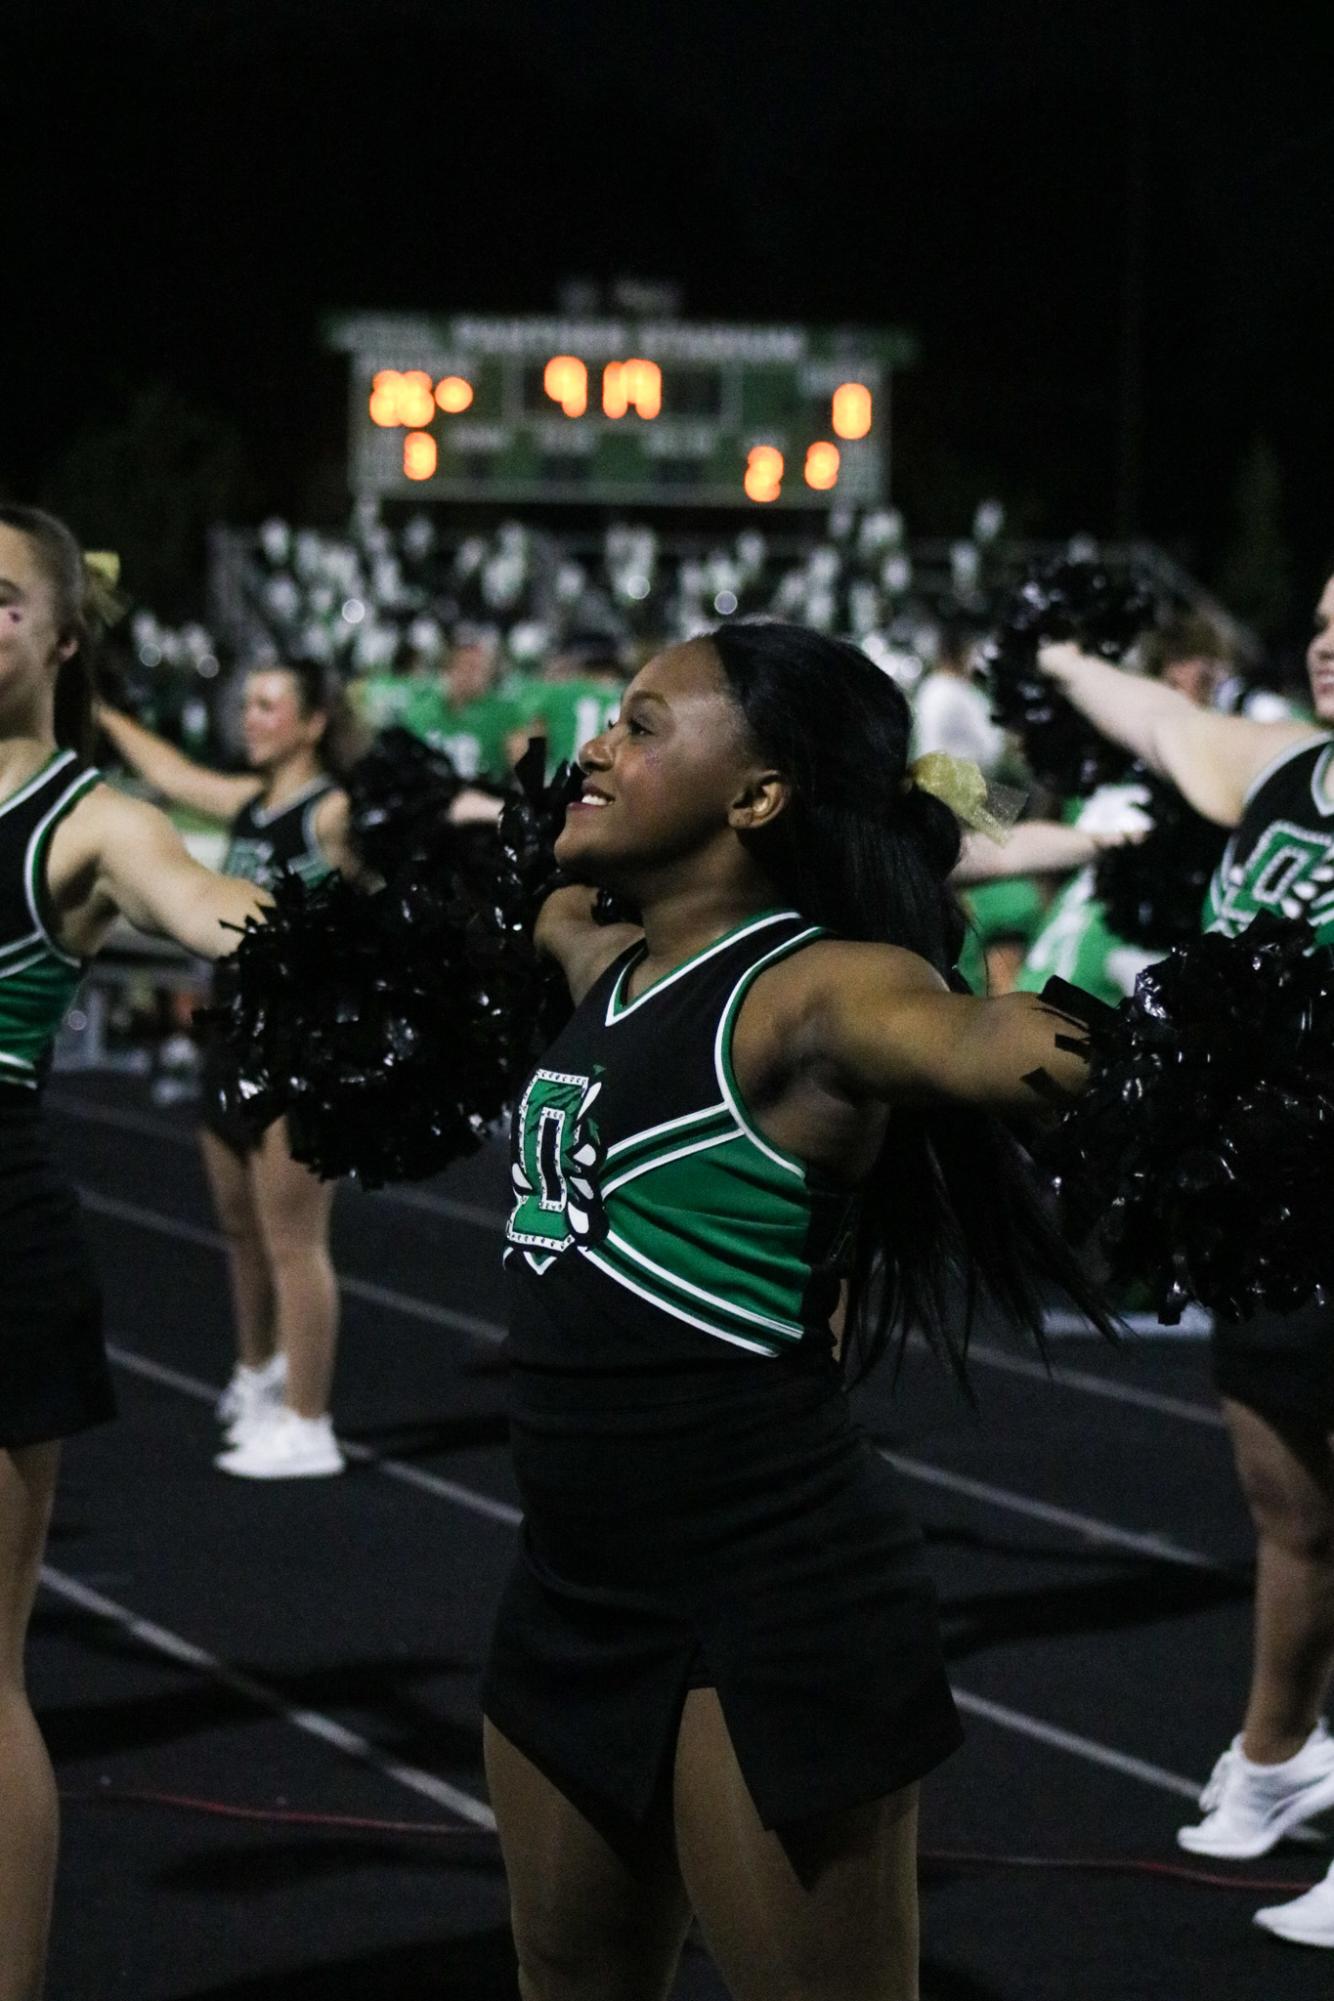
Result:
pixel 309 1653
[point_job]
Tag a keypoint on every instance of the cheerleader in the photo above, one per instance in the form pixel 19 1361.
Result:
pixel 74 856
pixel 716 1678
pixel 1273 784
pixel 288 813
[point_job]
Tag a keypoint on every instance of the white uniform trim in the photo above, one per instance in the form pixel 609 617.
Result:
pixel 677 1312
pixel 616 1013
pixel 789 1329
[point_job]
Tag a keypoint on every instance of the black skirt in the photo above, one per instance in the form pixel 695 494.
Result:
pixel 215 1114
pixel 736 1531
pixel 54 1378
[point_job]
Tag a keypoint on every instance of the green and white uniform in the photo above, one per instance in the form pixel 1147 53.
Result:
pixel 652 1222
pixel 265 841
pixel 1074 941
pixel 473 736
pixel 699 1507
pixel 1280 860
pixel 572 712
pixel 38 977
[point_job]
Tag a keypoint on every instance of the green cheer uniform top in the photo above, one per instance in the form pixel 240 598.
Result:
pixel 1280 860
pixel 38 977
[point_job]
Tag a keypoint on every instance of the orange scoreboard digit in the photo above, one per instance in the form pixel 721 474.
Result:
pixel 644 413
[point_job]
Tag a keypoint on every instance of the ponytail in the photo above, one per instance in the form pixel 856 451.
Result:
pixel 951 1215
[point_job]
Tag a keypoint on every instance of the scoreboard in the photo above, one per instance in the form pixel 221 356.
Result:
pixel 619 410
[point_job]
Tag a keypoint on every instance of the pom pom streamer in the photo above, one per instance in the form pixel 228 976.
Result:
pixel 1202 1154
pixel 391 1029
pixel 1153 890
pixel 1067 599
pixel 399 796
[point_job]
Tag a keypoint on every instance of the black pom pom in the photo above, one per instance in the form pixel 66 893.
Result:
pixel 1066 599
pixel 399 796
pixel 393 1029
pixel 1153 890
pixel 1202 1154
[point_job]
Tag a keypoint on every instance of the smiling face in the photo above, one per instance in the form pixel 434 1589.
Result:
pixel 272 723
pixel 32 640
pixel 672 783
pixel 1320 656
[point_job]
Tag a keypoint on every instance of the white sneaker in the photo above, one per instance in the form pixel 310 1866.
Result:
pixel 251 1391
pixel 285 1447
pixel 1248 1808
pixel 1307 1920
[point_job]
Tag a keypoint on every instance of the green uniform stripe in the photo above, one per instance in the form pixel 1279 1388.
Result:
pixel 625 1273
pixel 657 1141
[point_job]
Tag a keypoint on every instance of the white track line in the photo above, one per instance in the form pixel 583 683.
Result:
pixel 149 1126
pixel 1081 1747
pixel 1060 1377
pixel 1090 1527
pixel 365 1455
pixel 159 1640
pixel 355 1288
pixel 1194 1325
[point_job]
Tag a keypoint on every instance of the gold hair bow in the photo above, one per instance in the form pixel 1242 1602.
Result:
pixel 102 572
pixel 959 784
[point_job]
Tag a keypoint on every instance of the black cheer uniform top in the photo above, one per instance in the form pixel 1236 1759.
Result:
pixel 1281 857
pixel 653 1225
pixel 700 1509
pixel 263 842
pixel 54 1379
pixel 38 977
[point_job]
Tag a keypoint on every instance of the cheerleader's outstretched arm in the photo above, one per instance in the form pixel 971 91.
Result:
pixel 117 856
pixel 219 795
pixel 1212 759
pixel 879 1023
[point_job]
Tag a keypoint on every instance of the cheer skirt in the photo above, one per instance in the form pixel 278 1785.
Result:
pixel 54 1378
pixel 1280 1364
pixel 737 1532
pixel 215 1115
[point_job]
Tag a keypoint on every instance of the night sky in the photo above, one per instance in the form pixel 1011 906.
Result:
pixel 1111 228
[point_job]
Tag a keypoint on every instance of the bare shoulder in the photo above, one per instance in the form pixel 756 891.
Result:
pixel 801 1005
pixel 583 949
pixel 844 966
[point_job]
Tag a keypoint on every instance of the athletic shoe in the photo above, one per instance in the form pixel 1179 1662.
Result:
pixel 286 1447
pixel 251 1391
pixel 1307 1920
pixel 1248 1808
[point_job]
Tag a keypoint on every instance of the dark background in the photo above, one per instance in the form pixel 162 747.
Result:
pixel 1110 226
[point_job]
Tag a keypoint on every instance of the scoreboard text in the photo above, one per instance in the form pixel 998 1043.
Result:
pixel 612 411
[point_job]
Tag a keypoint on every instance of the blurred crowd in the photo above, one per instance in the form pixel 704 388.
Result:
pixel 479 643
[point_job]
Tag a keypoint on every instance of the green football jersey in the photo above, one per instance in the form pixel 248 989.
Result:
pixel 383 700
pixel 572 712
pixel 475 737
